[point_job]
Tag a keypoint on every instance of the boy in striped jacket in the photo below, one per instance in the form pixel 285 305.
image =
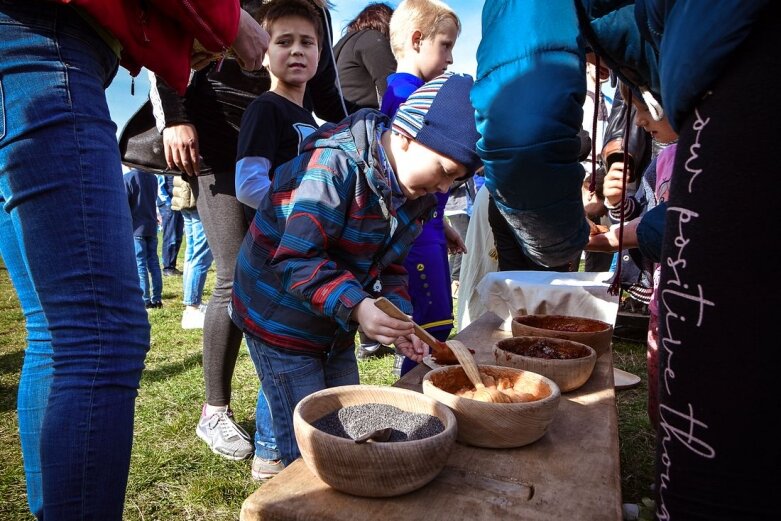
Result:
pixel 331 237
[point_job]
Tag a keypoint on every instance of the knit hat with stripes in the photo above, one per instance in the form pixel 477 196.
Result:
pixel 440 116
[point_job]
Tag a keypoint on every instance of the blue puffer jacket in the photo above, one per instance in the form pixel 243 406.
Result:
pixel 530 88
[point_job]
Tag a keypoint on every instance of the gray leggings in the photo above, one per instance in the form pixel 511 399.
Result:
pixel 225 224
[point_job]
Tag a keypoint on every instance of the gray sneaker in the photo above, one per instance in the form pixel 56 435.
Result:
pixel 224 436
pixel 265 469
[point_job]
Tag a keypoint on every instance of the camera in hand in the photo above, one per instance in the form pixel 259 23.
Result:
pixel 621 156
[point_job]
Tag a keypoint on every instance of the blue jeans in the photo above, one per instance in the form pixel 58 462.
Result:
pixel 61 183
pixel 265 441
pixel 173 232
pixel 287 378
pixel 148 266
pixel 197 257
pixel 37 366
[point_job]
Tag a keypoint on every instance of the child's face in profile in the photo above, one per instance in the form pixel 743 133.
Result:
pixel 293 51
pixel 661 130
pixel 436 52
pixel 420 170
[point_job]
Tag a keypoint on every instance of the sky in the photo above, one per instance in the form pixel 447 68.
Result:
pixel 122 105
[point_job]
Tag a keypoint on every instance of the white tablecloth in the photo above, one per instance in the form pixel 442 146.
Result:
pixel 513 293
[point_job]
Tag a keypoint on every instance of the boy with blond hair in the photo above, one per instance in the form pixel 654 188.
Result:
pixel 423 33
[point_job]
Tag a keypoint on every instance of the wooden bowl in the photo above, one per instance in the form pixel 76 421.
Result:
pixel 372 469
pixel 496 425
pixel 589 331
pixel 566 362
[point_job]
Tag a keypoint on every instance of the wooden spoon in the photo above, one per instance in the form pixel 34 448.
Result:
pixel 440 351
pixel 467 361
pixel 377 435
pixel 458 348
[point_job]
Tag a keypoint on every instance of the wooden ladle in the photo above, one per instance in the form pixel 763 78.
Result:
pixel 458 348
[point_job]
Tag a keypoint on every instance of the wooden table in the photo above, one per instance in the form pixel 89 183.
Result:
pixel 571 473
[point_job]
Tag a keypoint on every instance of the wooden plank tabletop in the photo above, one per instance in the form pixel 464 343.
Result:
pixel 570 473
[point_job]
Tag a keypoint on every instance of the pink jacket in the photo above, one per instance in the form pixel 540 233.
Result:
pixel 158 34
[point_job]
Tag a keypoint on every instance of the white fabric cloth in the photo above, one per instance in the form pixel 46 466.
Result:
pixel 476 262
pixel 512 293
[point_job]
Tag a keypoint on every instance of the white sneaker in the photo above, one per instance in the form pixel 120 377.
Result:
pixel 263 469
pixel 224 436
pixel 192 318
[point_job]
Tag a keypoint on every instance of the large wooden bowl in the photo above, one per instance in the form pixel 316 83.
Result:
pixel 589 331
pixel 567 363
pixel 372 469
pixel 496 425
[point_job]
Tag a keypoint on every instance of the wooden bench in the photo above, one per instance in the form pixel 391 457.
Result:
pixel 571 473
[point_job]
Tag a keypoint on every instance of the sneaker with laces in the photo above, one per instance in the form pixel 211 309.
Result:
pixel 192 318
pixel 224 436
pixel 374 350
pixel 265 469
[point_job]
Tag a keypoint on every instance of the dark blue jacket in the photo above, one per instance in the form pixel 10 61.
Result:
pixel 141 188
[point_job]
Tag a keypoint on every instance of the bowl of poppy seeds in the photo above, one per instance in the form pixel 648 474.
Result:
pixel 413 437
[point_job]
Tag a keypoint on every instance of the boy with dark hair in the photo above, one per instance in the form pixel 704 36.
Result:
pixel 275 124
pixel 272 130
pixel 331 236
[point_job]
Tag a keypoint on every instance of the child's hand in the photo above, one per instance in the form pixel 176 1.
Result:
pixel 614 180
pixel 378 325
pixel 607 242
pixel 412 347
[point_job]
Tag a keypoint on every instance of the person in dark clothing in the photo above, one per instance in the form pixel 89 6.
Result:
pixel 141 190
pixel 364 58
pixel 172 223
pixel 712 66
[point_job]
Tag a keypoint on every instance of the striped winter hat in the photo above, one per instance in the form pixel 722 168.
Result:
pixel 440 116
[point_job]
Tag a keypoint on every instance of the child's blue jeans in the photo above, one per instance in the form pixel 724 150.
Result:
pixel 288 377
pixel 148 266
pixel 61 183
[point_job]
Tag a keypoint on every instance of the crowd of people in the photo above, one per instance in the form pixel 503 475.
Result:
pixel 415 182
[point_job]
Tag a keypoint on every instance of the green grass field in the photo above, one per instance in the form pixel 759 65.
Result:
pixel 173 475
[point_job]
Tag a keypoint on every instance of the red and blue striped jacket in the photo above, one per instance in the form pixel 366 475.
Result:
pixel 324 236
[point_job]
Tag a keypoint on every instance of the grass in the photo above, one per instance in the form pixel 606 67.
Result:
pixel 173 476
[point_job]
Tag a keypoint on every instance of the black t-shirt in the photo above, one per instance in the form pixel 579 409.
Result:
pixel 274 127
